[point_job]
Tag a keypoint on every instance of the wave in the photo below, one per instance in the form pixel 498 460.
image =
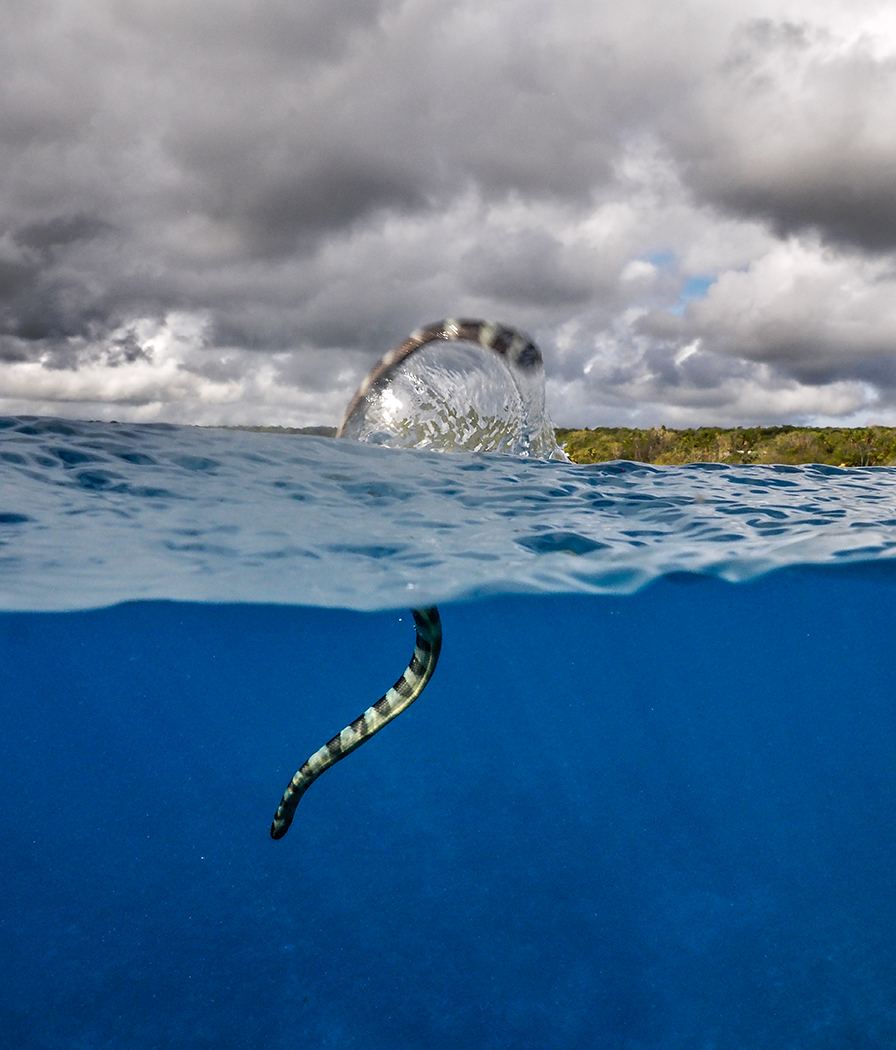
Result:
pixel 92 514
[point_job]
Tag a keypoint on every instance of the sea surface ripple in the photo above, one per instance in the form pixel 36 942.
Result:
pixel 92 514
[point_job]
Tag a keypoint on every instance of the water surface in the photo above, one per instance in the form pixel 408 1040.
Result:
pixel 656 817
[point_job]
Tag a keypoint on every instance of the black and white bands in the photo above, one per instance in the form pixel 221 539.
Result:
pixel 400 696
pixel 524 354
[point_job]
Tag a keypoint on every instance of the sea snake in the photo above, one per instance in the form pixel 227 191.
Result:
pixel 401 695
pixel 524 354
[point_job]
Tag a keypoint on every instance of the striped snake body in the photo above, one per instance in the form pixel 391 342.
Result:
pixel 523 354
pixel 400 696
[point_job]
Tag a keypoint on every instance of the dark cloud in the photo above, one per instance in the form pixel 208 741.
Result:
pixel 59 230
pixel 295 209
pixel 14 277
pixel 526 268
pixel 230 207
pixel 793 132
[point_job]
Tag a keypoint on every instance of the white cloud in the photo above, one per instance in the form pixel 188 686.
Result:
pixel 165 371
pixel 802 305
pixel 226 212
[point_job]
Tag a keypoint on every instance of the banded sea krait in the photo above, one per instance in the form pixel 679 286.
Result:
pixel 523 354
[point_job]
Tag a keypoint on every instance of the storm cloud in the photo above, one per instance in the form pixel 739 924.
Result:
pixel 224 212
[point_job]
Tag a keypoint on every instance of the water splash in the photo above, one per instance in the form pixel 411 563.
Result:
pixel 456 396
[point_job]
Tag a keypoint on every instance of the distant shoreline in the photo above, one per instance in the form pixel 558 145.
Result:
pixel 834 446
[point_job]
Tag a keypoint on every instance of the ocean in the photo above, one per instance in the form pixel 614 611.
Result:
pixel 646 802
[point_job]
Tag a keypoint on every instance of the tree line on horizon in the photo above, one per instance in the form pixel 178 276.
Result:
pixel 873 446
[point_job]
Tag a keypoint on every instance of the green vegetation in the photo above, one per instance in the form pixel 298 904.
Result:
pixel 837 446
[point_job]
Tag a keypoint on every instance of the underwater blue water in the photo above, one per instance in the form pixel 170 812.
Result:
pixel 659 820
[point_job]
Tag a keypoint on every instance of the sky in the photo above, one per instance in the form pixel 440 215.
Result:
pixel 226 212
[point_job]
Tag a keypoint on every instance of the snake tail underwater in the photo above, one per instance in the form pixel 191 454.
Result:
pixel 518 349
pixel 397 699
